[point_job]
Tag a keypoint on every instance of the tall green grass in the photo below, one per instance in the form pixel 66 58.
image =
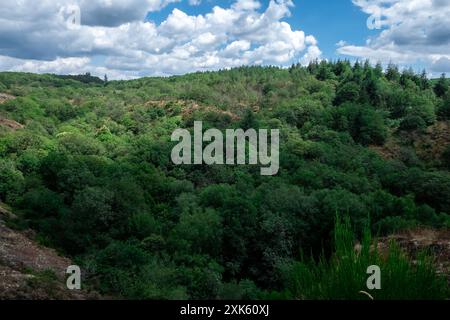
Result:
pixel 344 275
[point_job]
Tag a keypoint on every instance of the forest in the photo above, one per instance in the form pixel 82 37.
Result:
pixel 364 153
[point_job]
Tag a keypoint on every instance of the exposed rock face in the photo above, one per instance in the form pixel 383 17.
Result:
pixel 31 271
pixel 10 124
pixel 18 252
pixel 5 97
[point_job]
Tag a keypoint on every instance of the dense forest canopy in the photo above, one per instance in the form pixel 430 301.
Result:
pixel 91 171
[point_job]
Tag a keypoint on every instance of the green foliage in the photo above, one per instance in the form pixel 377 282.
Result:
pixel 78 144
pixel 363 123
pixel 412 122
pixel 446 157
pixel 11 182
pixel 91 173
pixel 23 109
pixel 44 280
pixel 85 78
pixel 348 92
pixel 344 275
pixel 441 86
pixel 444 107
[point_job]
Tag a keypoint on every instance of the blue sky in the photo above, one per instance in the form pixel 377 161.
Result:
pixel 134 38
pixel 330 21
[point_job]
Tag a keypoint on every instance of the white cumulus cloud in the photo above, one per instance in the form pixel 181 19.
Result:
pixel 115 38
pixel 411 32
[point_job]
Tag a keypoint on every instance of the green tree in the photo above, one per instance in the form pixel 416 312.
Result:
pixel 441 86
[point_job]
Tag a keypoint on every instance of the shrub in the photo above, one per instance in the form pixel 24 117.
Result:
pixel 412 122
pixel 446 157
pixel 344 275
pixel 11 181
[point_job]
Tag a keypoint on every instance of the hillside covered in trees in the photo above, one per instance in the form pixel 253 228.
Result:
pixel 86 164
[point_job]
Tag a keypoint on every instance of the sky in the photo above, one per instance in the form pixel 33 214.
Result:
pixel 127 39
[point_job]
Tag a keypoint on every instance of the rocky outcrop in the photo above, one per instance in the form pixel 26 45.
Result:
pixel 10 124
pixel 5 97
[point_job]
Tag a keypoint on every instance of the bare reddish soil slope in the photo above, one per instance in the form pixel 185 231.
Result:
pixel 29 270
